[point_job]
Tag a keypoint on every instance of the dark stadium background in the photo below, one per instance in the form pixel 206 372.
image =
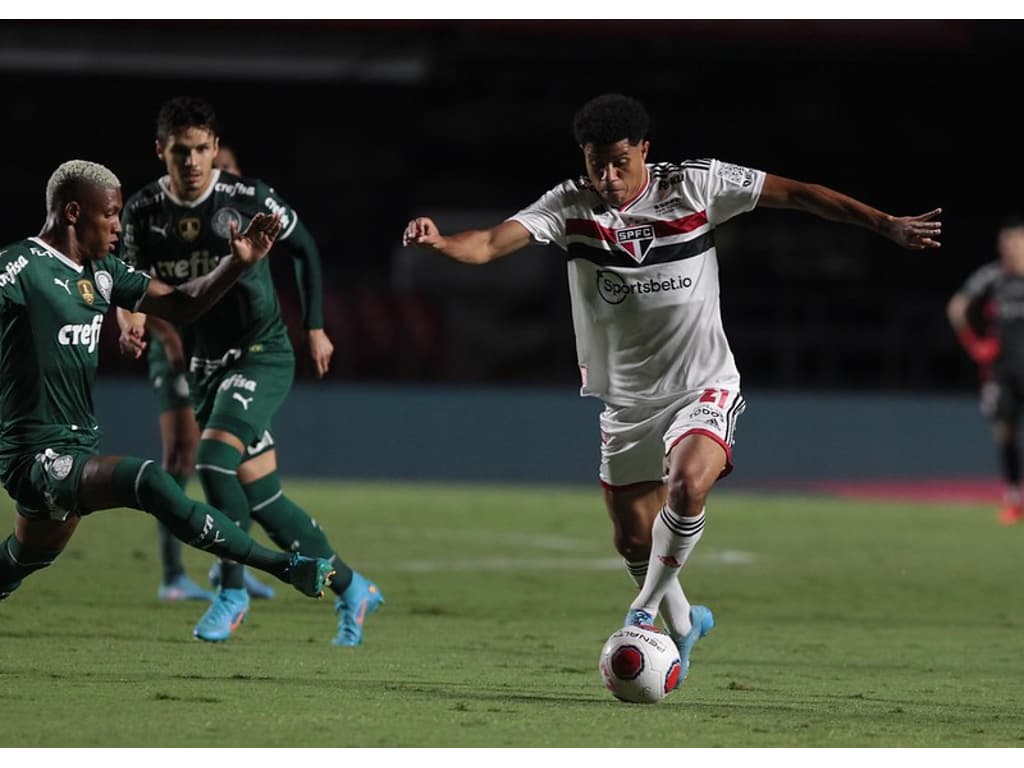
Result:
pixel 361 125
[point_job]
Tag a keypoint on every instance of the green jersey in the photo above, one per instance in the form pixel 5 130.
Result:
pixel 51 313
pixel 177 240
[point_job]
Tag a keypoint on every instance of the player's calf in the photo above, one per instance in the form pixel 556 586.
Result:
pixel 18 560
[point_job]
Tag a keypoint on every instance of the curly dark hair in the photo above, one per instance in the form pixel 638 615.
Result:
pixel 609 118
pixel 184 112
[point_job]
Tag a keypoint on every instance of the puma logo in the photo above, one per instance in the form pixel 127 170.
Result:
pixel 162 231
pixel 243 400
pixel 64 284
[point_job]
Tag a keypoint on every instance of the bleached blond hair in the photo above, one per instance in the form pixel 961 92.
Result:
pixel 75 171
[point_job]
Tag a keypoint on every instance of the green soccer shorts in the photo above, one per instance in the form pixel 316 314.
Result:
pixel 45 485
pixel 243 396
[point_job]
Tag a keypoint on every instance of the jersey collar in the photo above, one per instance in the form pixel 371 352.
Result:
pixel 57 254
pixel 643 189
pixel 165 185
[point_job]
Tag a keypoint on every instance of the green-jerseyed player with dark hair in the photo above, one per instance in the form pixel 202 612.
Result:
pixel 241 364
pixel 179 438
pixel 54 292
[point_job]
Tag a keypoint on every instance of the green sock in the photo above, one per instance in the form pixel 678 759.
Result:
pixel 144 485
pixel 170 545
pixel 288 525
pixel 17 561
pixel 217 467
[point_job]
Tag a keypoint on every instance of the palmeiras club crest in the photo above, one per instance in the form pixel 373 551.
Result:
pixel 636 241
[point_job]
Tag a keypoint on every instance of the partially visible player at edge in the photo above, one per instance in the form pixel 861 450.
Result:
pixel 994 296
pixel 55 289
pixel 179 437
pixel 643 280
pixel 241 363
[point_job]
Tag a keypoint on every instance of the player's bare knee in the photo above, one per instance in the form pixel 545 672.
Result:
pixel 688 488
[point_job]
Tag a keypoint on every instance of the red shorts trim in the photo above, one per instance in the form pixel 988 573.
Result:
pixel 713 436
pixel 610 487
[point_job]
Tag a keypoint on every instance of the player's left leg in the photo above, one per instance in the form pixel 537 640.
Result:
pixel 291 528
pixel 999 403
pixel 632 474
pixel 699 451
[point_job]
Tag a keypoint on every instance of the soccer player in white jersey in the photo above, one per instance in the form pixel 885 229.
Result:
pixel 643 280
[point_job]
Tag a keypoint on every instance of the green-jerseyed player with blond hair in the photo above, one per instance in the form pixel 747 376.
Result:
pixel 240 361
pixel 54 292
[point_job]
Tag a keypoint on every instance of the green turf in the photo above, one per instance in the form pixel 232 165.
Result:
pixel 850 624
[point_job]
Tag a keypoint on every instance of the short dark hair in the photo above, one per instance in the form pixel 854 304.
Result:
pixel 1012 221
pixel 183 112
pixel 609 118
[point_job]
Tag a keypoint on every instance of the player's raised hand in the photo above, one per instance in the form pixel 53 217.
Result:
pixel 422 231
pixel 252 245
pixel 916 232
pixel 320 350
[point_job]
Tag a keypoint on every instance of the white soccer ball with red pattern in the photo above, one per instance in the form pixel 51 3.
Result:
pixel 640 664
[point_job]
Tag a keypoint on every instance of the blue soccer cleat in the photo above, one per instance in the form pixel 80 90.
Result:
pixel 224 616
pixel 359 600
pixel 181 587
pixel 309 575
pixel 703 621
pixel 257 589
pixel 638 617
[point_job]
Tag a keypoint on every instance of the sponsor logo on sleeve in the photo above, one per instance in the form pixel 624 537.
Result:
pixel 736 174
pixel 11 270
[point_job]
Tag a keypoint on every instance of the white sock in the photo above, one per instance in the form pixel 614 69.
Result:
pixel 675 608
pixel 672 540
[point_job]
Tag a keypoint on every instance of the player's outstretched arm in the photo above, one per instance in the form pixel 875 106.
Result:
pixel 983 350
pixel 474 246
pixel 184 303
pixel 913 232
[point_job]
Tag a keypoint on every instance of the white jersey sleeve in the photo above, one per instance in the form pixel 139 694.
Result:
pixel 730 190
pixel 545 219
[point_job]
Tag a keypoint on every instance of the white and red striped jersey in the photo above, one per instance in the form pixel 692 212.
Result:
pixel 643 278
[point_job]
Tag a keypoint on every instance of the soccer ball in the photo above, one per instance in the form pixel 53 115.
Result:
pixel 640 664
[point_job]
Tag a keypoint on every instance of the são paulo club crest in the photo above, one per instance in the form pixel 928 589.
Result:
pixel 636 241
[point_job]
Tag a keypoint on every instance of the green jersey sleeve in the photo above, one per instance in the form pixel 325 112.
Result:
pixel 128 285
pixel 12 261
pixel 271 202
pixel 303 248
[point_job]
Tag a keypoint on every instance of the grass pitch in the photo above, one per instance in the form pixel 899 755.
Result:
pixel 839 624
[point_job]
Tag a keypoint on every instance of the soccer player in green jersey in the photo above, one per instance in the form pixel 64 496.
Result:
pixel 241 363
pixel 179 438
pixel 54 292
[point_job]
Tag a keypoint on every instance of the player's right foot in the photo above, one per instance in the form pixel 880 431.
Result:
pixel 702 621
pixel 257 589
pixel 309 575
pixel 638 617
pixel 181 587
pixel 1010 514
pixel 362 598
pixel 224 616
